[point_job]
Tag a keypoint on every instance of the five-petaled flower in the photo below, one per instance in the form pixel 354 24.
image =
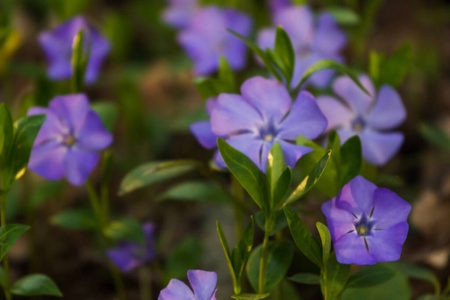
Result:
pixel 206 39
pixel 367 224
pixel 313 39
pixel 180 12
pixel 57 45
pixel 129 255
pixel 262 115
pixel 69 140
pixel 203 283
pixel 369 117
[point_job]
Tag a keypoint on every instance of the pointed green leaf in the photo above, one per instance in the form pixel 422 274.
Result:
pixel 305 278
pixel 334 144
pixel 304 240
pixel 223 241
pixel 393 69
pixel 334 277
pixel 80 219
pixel 6 131
pixel 154 172
pixel 285 53
pixel 226 74
pixel 370 276
pixel 351 159
pixel 9 234
pixel 246 172
pixel 125 230
pixel 325 237
pixel 435 136
pixel 344 15
pixel 36 285
pixel 275 166
pixel 245 247
pixel 282 187
pixel 197 191
pixel 250 296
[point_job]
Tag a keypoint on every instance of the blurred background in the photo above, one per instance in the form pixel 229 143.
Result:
pixel 148 81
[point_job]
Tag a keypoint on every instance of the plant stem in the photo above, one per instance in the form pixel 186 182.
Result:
pixel 262 262
pixel 7 286
pixel 238 193
pixel 145 284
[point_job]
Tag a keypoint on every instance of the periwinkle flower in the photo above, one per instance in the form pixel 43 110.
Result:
pixel 69 140
pixel 202 129
pixel 367 224
pixel 129 255
pixel 203 283
pixel 180 12
pixel 369 117
pixel 275 5
pixel 57 45
pixel 206 39
pixel 262 115
pixel 313 39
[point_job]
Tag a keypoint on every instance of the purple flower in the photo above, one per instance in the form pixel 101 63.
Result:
pixel 180 12
pixel 276 5
pixel 369 117
pixel 202 129
pixel 129 255
pixel 206 39
pixel 262 115
pixel 367 224
pixel 69 140
pixel 57 45
pixel 313 39
pixel 203 283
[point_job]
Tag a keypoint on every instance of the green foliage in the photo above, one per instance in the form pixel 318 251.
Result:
pixel 250 296
pixel 107 112
pixel 197 191
pixel 237 259
pixel 344 15
pixel 333 277
pixel 435 136
pixel 325 237
pixel 36 285
pixel 154 172
pixel 393 69
pixel 6 131
pixel 278 218
pixel 278 177
pixel 370 276
pixel 80 219
pixel 246 172
pixel 9 234
pixel 211 87
pixel 306 278
pixel 185 256
pixel 284 54
pixel 351 160
pixel 279 257
pixel 418 272
pixel 125 230
pixel 304 240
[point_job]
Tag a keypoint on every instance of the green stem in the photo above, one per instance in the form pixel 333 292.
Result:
pixel 238 193
pixel 145 284
pixel 262 262
pixel 7 286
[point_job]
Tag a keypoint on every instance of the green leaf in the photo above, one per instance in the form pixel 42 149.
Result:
pixel 285 53
pixel 9 234
pixel 250 296
pixel 327 64
pixel 351 159
pixel 154 172
pixel 6 131
pixel 428 297
pixel 333 277
pixel 344 16
pixel 36 285
pixel 211 87
pixel 258 51
pixel 185 256
pixel 328 181
pixel 309 181
pixel 226 74
pixel 125 230
pixel 418 272
pixel 279 257
pixel 246 172
pixel 81 219
pixel 435 136
pixel 334 144
pixel 304 240
pixel 226 250
pixel 107 112
pixel 79 62
pixel 197 191
pixel 305 278
pixel 279 223
pixel 370 276
pixel 391 70
pixel 282 187
pixel 275 166
pixel 325 237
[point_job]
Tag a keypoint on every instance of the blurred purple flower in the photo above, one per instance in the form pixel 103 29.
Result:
pixel 69 140
pixel 367 224
pixel 276 5
pixel 206 39
pixel 263 115
pixel 202 129
pixel 203 283
pixel 180 12
pixel 57 45
pixel 129 255
pixel 313 39
pixel 369 117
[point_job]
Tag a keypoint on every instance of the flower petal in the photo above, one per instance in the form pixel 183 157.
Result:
pixel 47 160
pixel 386 245
pixel 305 119
pixel 389 111
pixel 328 38
pixel 340 221
pixel 351 249
pixel 249 145
pixel 176 290
pixel 100 48
pixel 353 95
pixel 378 147
pixel 71 110
pixel 93 136
pixel 232 113
pixel 203 283
pixel 336 113
pixel 389 209
pixel 204 135
pixel 79 164
pixel 52 129
pixel 123 256
pixel 292 153
pixel 149 232
pixel 298 22
pixel 357 196
pixel 266 39
pixel 267 96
